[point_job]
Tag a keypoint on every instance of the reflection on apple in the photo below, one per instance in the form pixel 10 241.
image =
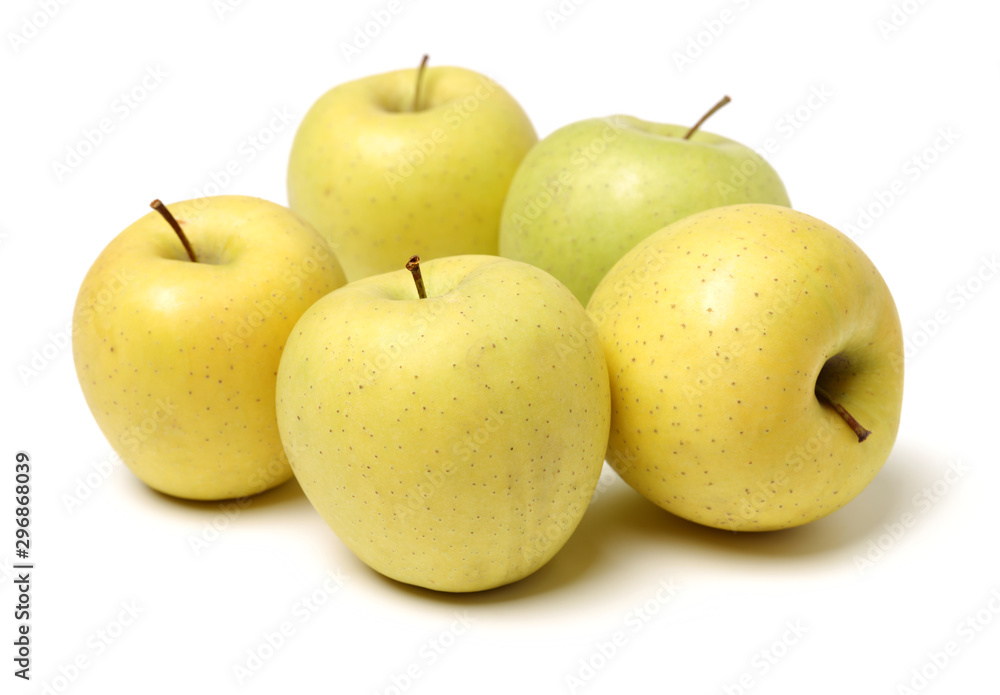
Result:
pixel 177 337
pixel 452 441
pixel 415 159
pixel 756 366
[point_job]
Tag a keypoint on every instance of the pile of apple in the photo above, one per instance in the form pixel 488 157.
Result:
pixel 621 290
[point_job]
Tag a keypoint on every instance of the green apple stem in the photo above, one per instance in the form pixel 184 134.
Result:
pixel 722 102
pixel 420 80
pixel 842 411
pixel 413 265
pixel 162 209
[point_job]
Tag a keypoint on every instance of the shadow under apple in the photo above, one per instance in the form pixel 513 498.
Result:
pixel 568 566
pixel 628 513
pixel 623 518
pixel 621 527
pixel 288 493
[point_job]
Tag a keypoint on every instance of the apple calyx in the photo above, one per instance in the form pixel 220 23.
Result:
pixel 420 79
pixel 175 225
pixel 842 411
pixel 413 265
pixel 708 114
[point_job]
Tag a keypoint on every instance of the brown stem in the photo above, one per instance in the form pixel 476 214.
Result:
pixel 162 209
pixel 413 265
pixel 842 411
pixel 722 102
pixel 420 78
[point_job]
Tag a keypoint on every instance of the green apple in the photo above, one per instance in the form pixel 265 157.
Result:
pixel 177 357
pixel 756 364
pixel 452 441
pixel 590 191
pixel 412 159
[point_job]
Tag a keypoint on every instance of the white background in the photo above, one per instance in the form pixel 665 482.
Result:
pixel 696 609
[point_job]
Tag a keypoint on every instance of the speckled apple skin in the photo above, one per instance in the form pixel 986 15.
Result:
pixel 715 330
pixel 452 442
pixel 177 360
pixel 380 180
pixel 590 191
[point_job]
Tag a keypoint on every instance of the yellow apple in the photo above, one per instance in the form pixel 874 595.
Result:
pixel 177 359
pixel 756 365
pixel 454 441
pixel 395 161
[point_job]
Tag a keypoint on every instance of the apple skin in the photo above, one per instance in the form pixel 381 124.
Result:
pixel 592 190
pixel 452 442
pixel 375 177
pixel 716 330
pixel 177 360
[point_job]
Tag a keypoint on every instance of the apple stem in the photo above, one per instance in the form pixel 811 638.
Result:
pixel 722 102
pixel 842 411
pixel 162 209
pixel 413 265
pixel 420 79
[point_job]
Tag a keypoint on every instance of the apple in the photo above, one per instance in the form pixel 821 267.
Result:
pixel 177 334
pixel 591 190
pixel 418 159
pixel 453 436
pixel 756 365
